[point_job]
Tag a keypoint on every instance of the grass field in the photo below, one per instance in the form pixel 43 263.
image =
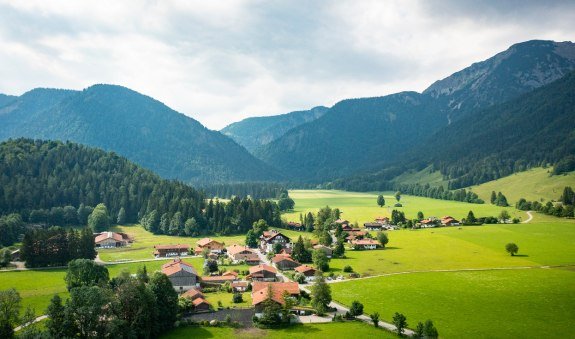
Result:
pixel 534 184
pixel 532 303
pixel 362 207
pixel 311 331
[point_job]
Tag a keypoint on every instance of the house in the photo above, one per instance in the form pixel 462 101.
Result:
pixel 239 253
pixel 210 244
pixel 373 226
pixel 426 223
pixel 342 222
pixel 382 220
pixel 218 279
pixel 307 271
pixel 182 275
pixel 201 305
pixel 327 250
pixel 192 294
pixel 171 250
pixel 262 272
pixel 346 228
pixel 365 244
pixel 284 262
pixel 260 292
pixel 296 226
pixel 252 259
pixel 230 274
pixel 110 240
pixel 449 221
pixel 269 238
pixel 239 286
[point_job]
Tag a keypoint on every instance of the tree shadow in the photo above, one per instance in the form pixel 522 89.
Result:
pixel 392 248
pixel 521 255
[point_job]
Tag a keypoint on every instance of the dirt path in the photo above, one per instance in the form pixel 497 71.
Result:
pixel 40 318
pixel 528 219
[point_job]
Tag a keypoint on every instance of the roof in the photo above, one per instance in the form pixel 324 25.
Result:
pixel 235 274
pixel 342 221
pixel 205 241
pixel 372 224
pixel 214 278
pixel 269 235
pixel 192 293
pixel 239 284
pixel 260 291
pixel 252 257
pixel 304 269
pixel 176 266
pixel 365 242
pixel 322 247
pixel 169 247
pixel 427 221
pixel 235 249
pixel 282 257
pixel 108 235
pixel 262 267
pixel 200 301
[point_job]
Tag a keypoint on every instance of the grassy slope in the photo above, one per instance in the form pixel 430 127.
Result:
pixel 533 303
pixel 425 176
pixel 362 207
pixel 534 184
pixel 329 330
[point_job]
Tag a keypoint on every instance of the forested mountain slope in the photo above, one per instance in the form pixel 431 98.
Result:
pixel 256 132
pixel 136 126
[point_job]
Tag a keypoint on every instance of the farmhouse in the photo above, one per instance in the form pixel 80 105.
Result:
pixel 110 240
pixel 239 286
pixel 296 226
pixel 260 291
pixel 201 305
pixel 307 271
pixel 269 238
pixel 373 226
pixel 240 253
pixel 182 275
pixel 382 220
pixel 449 221
pixel 218 279
pixel 171 250
pixel 210 244
pixel 426 223
pixel 262 272
pixel 327 250
pixel 365 244
pixel 284 262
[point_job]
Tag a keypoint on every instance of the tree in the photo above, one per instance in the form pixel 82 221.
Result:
pixel 259 227
pixel 237 298
pixel 339 249
pixel 419 330
pixel 356 308
pixel 504 216
pixel 470 218
pixel 400 323
pixel 429 330
pixel 98 219
pixel 375 319
pixel 382 238
pixel 5 257
pixel 286 204
pixel 320 295
pixel 320 260
pixel 85 272
pixel 501 200
pixel 166 302
pixel 9 312
pixel 86 314
pixel 493 198
pixel 277 247
pixel 512 248
pixel 397 196
pixel 210 266
pixel 271 310
pixel 299 253
pixel 191 227
pixel 121 219
pixel 325 238
pixel 420 216
pixel 251 239
pixel 142 274
pixel 287 306
pixel 56 313
pixel 568 196
pixel 134 305
pixel 380 200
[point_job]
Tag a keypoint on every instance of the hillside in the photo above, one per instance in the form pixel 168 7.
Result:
pixel 256 132
pixel 360 135
pixel 135 126
pixel 534 184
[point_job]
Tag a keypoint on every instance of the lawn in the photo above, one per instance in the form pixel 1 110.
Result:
pixel 362 207
pixel 311 331
pixel 534 184
pixel 226 299
pixel 530 303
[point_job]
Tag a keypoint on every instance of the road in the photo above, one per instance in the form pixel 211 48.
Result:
pixel 40 318
pixel 530 217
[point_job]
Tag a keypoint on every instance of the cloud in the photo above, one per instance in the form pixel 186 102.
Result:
pixel 221 61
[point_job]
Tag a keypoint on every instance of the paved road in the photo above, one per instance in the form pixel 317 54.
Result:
pixel 528 219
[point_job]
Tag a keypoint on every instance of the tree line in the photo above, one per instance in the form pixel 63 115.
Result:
pixel 563 209
pixel 256 190
pixel 438 192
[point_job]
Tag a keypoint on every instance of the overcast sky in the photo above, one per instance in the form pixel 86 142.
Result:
pixel 222 61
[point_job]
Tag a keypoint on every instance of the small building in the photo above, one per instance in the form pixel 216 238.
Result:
pixel 260 293
pixel 231 274
pixel 346 228
pixel 365 244
pixel 382 220
pixel 212 245
pixel 201 305
pixel 15 255
pixel 252 259
pixel 296 226
pixel 182 275
pixel 426 223
pixel 217 279
pixel 171 250
pixel 373 226
pixel 239 286
pixel 110 240
pixel 262 272
pixel 284 262
pixel 342 222
pixel 307 271
pixel 240 253
pixel 449 221
pixel 192 294
pixel 269 238
pixel 327 250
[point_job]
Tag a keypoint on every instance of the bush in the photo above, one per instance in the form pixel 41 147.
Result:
pixel 237 298
pixel 347 269
pixel 398 205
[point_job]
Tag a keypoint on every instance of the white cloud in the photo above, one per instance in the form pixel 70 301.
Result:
pixel 221 61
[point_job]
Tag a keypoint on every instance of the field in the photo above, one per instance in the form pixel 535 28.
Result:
pixel 311 331
pixel 362 207
pixel 534 184
pixel 531 303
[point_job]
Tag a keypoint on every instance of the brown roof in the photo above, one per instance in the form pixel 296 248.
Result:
pixel 262 267
pixel 260 291
pixel 216 278
pixel 365 242
pixel 203 242
pixel 281 257
pixel 169 247
pixel 178 265
pixel 192 294
pixel 200 301
pixel 235 249
pixel 108 235
pixel 239 284
pixel 235 274
pixel 304 269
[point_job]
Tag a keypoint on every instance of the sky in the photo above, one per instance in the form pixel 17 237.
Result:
pixel 222 61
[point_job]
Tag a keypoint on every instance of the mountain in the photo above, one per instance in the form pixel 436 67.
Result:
pixel 136 126
pixel 535 129
pixel 368 134
pixel 6 99
pixel 255 132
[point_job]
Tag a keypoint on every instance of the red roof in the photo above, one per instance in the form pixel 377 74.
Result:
pixel 170 247
pixel 200 301
pixel 239 284
pixel 260 291
pixel 218 278
pixel 205 241
pixel 305 269
pixel 262 267
pixel 235 249
pixel 176 266
pixel 365 242
pixel 192 294
pixel 235 274
pixel 282 257
pixel 108 235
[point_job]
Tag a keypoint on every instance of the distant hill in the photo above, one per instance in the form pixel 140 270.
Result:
pixel 255 132
pixel 136 126
pixel 370 134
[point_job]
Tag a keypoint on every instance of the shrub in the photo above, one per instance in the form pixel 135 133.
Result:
pixel 237 298
pixel 398 205
pixel 347 269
